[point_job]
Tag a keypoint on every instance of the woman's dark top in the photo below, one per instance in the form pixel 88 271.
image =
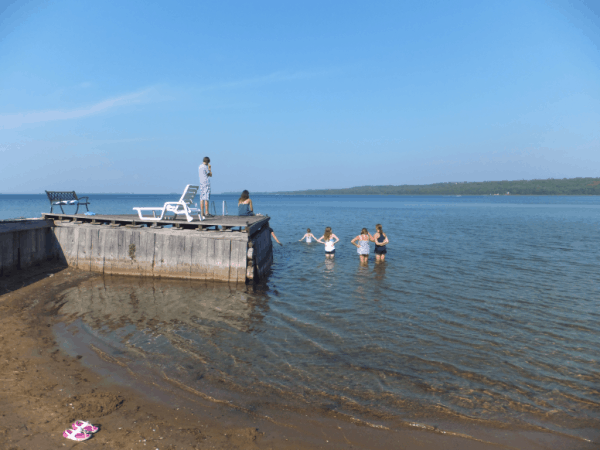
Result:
pixel 380 248
pixel 244 210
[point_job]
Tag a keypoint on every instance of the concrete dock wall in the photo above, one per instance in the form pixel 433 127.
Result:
pixel 168 253
pixel 138 251
pixel 25 243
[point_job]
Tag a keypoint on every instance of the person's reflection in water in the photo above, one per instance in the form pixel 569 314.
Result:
pixel 362 273
pixel 328 268
pixel 379 287
pixel 329 265
pixel 379 271
pixel 363 281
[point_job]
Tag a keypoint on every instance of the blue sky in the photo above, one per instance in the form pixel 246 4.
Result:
pixel 129 96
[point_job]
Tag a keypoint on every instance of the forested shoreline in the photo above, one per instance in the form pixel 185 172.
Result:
pixel 551 186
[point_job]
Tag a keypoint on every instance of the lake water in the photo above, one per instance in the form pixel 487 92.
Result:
pixel 486 308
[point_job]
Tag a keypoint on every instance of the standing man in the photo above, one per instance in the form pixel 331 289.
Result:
pixel 204 191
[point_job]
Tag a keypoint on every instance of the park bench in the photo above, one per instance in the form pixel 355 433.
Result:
pixel 61 198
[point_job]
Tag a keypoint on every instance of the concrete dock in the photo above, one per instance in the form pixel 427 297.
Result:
pixel 223 248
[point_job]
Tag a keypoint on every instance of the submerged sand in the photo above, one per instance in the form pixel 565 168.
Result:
pixel 43 390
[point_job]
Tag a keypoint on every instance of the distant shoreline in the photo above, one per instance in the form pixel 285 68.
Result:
pixel 551 186
pixel 275 194
pixel 548 187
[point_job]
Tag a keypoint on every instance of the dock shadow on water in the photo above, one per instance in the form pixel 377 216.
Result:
pixel 237 344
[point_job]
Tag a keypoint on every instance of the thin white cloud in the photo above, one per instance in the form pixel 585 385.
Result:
pixel 18 119
pixel 264 79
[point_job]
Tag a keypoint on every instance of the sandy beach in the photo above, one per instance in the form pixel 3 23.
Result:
pixel 44 390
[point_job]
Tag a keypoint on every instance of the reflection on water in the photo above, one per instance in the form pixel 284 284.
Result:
pixel 379 271
pixel 329 266
pixel 216 336
pixel 193 332
pixel 146 302
pixel 491 313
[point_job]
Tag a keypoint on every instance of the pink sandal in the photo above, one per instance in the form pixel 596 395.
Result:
pixel 75 436
pixel 84 427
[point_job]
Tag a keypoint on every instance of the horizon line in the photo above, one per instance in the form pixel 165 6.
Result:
pixel 321 189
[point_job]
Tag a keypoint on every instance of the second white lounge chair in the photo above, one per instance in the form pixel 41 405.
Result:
pixel 175 208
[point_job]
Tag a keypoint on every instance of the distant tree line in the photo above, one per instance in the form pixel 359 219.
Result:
pixel 551 186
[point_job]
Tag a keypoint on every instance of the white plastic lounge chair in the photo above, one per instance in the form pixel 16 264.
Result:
pixel 175 208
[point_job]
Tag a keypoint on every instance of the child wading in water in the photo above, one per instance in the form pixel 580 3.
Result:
pixel 380 240
pixel 308 236
pixel 363 245
pixel 329 239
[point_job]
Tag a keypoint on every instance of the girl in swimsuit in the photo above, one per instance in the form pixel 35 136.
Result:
pixel 329 239
pixel 362 244
pixel 380 240
pixel 245 204
pixel 308 236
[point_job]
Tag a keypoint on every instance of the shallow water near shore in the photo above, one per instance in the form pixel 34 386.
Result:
pixel 486 308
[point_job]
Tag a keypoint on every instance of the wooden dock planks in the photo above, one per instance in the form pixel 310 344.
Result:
pixel 249 223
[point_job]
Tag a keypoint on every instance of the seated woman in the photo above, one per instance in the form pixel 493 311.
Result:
pixel 245 204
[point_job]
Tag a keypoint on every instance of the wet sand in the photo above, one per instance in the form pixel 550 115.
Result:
pixel 43 390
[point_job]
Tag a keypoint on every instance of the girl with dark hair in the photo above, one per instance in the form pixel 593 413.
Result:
pixel 380 240
pixel 245 204
pixel 329 239
pixel 363 245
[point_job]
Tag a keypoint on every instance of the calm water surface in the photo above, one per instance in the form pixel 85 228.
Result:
pixel 486 307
